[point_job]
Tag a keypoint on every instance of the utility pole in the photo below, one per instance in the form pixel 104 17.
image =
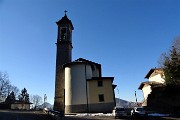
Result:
pixel 136 97
pixel 119 97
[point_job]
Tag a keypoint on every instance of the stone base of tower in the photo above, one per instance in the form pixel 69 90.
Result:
pixel 91 108
pixel 69 109
pixel 59 104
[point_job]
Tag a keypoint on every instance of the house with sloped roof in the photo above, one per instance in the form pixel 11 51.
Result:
pixel 155 78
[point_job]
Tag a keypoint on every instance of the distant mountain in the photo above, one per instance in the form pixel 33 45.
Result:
pixel 124 103
pixel 48 105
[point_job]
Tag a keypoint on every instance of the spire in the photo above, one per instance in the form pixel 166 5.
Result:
pixel 65 20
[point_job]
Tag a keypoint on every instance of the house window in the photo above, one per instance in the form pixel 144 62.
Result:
pixel 100 83
pixel 101 98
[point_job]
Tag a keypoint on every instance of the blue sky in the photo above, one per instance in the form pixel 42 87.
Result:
pixel 126 37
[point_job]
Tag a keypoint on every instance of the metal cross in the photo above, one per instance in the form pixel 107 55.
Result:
pixel 65 12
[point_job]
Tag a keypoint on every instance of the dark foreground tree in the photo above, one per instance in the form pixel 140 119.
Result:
pixel 170 63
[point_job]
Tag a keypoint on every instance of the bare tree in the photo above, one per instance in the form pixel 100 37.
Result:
pixel 36 100
pixel 4 86
pixel 161 60
pixel 176 45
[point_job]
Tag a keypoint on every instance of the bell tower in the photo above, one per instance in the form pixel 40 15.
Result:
pixel 63 56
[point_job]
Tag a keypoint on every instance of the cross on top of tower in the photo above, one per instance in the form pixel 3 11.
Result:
pixel 65 12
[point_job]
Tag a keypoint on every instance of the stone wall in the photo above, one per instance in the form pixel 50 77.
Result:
pixel 165 99
pixel 90 108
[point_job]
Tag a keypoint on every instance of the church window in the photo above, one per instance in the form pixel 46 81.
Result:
pixel 100 83
pixel 101 98
pixel 63 33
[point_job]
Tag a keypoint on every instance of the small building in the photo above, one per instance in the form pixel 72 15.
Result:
pixel 17 105
pixel 86 90
pixel 156 78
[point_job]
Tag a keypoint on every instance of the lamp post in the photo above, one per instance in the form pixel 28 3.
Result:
pixel 118 93
pixel 119 96
pixel 45 98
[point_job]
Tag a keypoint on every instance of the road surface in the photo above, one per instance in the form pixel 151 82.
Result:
pixel 39 115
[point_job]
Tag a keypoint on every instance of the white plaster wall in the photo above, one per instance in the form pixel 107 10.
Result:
pixel 20 106
pixel 146 91
pixel 68 88
pixel 157 78
pixel 75 83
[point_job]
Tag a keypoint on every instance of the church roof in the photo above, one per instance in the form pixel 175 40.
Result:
pixel 65 20
pixel 81 60
pixel 84 60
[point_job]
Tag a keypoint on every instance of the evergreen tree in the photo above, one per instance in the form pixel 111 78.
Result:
pixel 24 96
pixel 10 98
pixel 171 65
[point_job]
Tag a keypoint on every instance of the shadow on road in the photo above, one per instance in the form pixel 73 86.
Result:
pixel 39 115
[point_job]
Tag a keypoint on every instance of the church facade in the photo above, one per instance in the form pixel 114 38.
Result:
pixel 79 85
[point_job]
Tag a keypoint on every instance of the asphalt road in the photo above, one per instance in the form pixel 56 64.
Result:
pixel 39 115
pixel 24 115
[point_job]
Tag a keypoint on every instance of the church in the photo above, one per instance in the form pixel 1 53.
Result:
pixel 79 85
